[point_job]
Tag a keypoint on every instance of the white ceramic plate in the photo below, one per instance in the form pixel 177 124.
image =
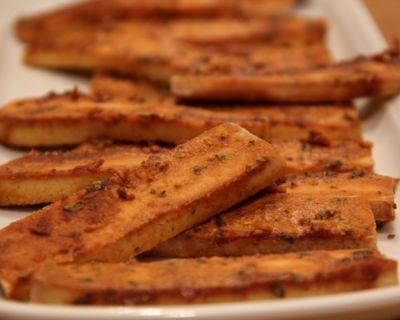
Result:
pixel 352 32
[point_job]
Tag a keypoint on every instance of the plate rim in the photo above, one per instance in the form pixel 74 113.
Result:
pixel 338 304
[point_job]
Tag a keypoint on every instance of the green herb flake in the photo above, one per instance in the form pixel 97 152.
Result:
pixel 74 207
pixel 348 232
pixel 348 117
pixel 197 170
pixel 278 290
pixel 99 185
pixel 362 254
pixel 330 174
pixel 163 194
pixel 287 238
pixel 335 164
pixel 249 168
pixel 220 157
pixel 356 174
pixel 251 143
pixel 325 215
pixel 219 236
pixel 152 191
pixel 261 159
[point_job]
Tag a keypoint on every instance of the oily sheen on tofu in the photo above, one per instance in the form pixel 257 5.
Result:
pixel 117 219
pixel 216 279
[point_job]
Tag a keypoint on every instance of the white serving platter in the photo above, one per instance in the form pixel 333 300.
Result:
pixel 352 32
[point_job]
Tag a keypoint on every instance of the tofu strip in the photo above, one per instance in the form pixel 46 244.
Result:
pixel 158 51
pixel 378 190
pixel 294 121
pixel 287 30
pixel 298 122
pixel 217 279
pixel 119 218
pixel 363 77
pixel 46 177
pixel 73 118
pixel 278 223
pixel 316 155
pixel 93 13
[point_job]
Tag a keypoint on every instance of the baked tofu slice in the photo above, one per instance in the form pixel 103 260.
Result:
pixel 278 223
pixel 221 31
pixel 217 279
pixel 333 121
pixel 362 77
pixel 45 177
pixel 378 190
pixel 72 118
pixel 299 122
pixel 117 219
pixel 277 30
pixel 160 51
pixel 315 155
pixel 93 13
pixel 112 86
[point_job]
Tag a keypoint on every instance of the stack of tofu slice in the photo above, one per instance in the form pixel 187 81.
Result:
pixel 218 157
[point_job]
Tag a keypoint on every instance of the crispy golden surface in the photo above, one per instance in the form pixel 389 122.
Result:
pixel 89 14
pixel 218 32
pixel 334 121
pixel 315 155
pixel 47 177
pixel 159 51
pixel 117 219
pixel 44 177
pixel 73 118
pixel 299 122
pixel 111 86
pixel 214 279
pixel 278 223
pixel 362 77
pixel 284 29
pixel 378 190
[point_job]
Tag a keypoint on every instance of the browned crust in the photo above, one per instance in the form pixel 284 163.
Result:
pixel 362 77
pixel 299 122
pixel 228 279
pixel 157 51
pixel 115 220
pixel 334 121
pixel 47 177
pixel 276 30
pixel 314 155
pixel 83 15
pixel 377 189
pixel 278 223
pixel 87 157
pixel 44 177
pixel 73 118
pixel 111 86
